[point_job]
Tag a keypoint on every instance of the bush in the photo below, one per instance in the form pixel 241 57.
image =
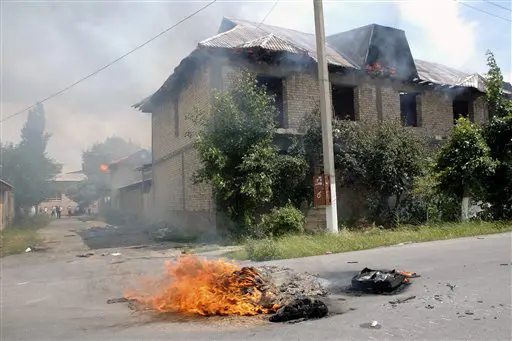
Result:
pixel 281 221
pixel 262 249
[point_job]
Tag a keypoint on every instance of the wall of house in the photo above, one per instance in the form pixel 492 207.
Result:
pixel 6 207
pixel 175 199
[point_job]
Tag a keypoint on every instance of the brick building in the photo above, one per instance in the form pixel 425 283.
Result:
pixel 423 95
pixel 130 184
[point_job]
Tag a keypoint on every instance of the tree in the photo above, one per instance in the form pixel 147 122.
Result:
pixel 497 105
pixel 26 165
pixel 84 193
pixel 498 135
pixel 238 158
pixel 463 163
pixel 94 160
pixel 381 159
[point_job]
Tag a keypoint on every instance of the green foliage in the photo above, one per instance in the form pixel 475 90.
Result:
pixel 464 161
pixel 497 105
pixel 383 159
pixel 283 220
pixel 104 153
pixel 238 156
pixel 26 165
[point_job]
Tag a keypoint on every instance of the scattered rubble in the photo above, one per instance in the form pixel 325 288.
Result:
pixel 85 255
pixel 304 308
pixel 402 300
pixel 371 325
pixel 451 286
pixel 381 281
pixel 28 249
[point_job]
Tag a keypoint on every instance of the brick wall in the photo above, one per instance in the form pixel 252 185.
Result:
pixel 481 114
pixel 436 114
pixel 302 93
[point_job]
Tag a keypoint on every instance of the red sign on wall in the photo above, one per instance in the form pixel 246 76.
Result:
pixel 322 192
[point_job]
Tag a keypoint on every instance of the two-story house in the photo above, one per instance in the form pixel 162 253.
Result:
pixel 423 95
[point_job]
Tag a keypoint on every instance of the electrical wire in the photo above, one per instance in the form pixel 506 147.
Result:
pixel 268 13
pixel 109 64
pixel 497 5
pixel 482 11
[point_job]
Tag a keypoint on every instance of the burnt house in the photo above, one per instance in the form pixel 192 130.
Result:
pixel 373 77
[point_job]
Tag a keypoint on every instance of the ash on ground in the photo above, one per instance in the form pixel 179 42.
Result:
pixel 290 285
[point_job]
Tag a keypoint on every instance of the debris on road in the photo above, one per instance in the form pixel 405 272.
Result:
pixel 118 300
pixel 402 300
pixel 371 325
pixel 352 262
pixel 429 306
pixel 304 308
pixel 28 249
pixel 451 286
pixel 115 254
pixel 381 281
pixel 85 255
pixel 504 264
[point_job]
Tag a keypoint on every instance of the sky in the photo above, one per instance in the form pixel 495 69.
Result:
pixel 48 45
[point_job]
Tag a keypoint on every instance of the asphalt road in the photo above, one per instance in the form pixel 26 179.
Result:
pixel 54 295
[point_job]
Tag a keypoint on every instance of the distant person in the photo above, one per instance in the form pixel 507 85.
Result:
pixel 46 210
pixel 88 211
pixel 54 211
pixel 59 211
pixel 69 211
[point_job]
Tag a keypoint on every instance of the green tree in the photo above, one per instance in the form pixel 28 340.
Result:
pixel 93 161
pixel 381 159
pixel 237 153
pixel 26 165
pixel 498 135
pixel 497 105
pixel 463 163
pixel 84 193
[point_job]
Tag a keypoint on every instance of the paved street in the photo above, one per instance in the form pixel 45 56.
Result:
pixel 54 295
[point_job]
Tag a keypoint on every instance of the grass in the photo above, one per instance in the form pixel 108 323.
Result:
pixel 295 246
pixel 16 238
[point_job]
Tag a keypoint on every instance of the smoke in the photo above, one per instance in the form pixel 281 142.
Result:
pixel 48 45
pixel 445 33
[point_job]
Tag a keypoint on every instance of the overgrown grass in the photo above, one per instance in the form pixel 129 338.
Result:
pixel 295 246
pixel 16 238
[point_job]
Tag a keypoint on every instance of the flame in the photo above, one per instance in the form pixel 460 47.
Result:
pixel 104 168
pixel 208 287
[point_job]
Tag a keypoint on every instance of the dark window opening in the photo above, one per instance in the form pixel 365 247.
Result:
pixel 373 55
pixel 343 102
pixel 408 109
pixel 274 86
pixel 460 109
pixel 176 119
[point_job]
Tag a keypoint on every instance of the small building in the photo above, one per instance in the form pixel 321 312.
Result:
pixel 6 204
pixel 130 181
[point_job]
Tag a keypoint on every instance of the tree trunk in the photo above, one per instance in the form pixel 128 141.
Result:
pixel 465 204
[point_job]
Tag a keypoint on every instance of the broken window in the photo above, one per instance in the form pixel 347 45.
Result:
pixel 343 102
pixel 408 109
pixel 274 86
pixel 460 109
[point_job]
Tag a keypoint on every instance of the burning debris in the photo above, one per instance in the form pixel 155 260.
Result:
pixel 381 281
pixel 192 286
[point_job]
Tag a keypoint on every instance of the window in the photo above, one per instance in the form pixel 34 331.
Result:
pixel 408 109
pixel 460 108
pixel 343 102
pixel 176 119
pixel 274 86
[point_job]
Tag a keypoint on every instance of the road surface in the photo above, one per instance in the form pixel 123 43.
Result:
pixel 54 295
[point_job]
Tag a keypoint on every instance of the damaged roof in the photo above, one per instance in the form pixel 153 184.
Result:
pixel 352 49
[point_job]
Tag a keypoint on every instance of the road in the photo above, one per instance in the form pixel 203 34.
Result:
pixel 54 295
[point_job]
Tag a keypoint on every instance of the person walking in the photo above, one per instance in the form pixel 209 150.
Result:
pixel 59 211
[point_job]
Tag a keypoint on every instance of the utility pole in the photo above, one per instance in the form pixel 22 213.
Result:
pixel 331 211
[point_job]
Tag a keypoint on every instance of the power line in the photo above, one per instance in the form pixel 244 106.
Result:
pixel 111 63
pixel 268 13
pixel 497 5
pixel 485 12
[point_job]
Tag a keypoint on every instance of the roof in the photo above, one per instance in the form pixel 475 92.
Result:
pixel 70 177
pixel 138 158
pixel 352 49
pixel 5 183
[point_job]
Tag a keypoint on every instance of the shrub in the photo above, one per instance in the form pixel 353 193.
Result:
pixel 281 221
pixel 262 249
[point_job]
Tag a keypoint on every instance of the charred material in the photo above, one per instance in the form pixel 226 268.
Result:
pixel 380 281
pixel 301 308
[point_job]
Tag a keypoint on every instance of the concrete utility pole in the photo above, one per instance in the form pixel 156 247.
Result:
pixel 326 115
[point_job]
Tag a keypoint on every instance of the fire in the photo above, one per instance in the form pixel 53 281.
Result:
pixel 104 168
pixel 208 287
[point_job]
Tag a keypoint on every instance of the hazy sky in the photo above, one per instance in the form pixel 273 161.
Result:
pixel 48 45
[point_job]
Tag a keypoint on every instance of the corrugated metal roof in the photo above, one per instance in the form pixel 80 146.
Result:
pixel 284 40
pixel 439 74
pixel 5 183
pixel 272 42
